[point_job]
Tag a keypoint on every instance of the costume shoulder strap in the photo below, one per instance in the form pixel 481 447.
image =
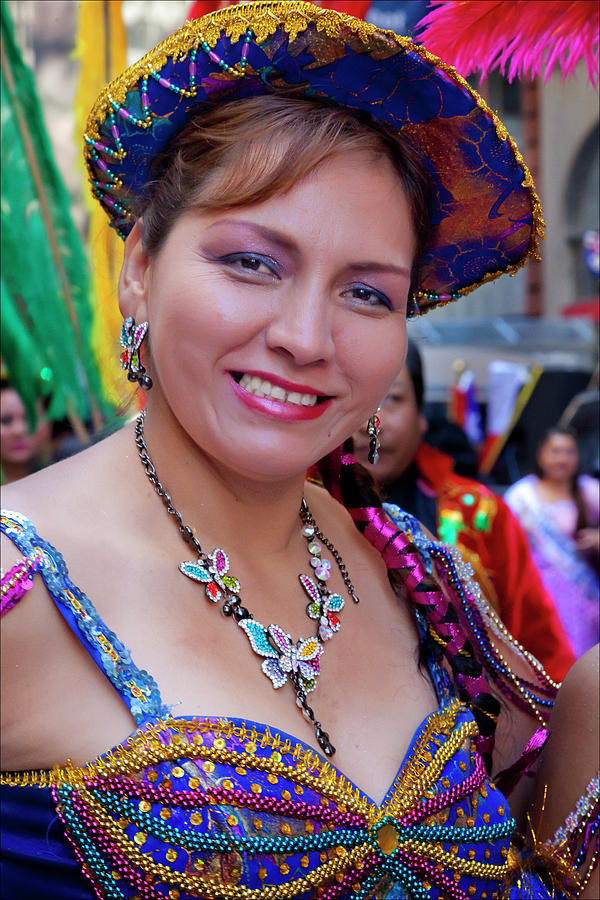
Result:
pixel 137 688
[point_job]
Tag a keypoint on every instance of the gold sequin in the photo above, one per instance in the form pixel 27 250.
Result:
pixel 178 739
pixel 446 782
pixel 250 747
pixel 276 756
pixel 272 779
pixel 457 876
pixel 471 889
pixel 462 765
pixel 460 814
pixel 471 854
pixel 298 789
pixel 504 852
pixel 209 767
pixel 165 813
pixel 219 744
pixel 227 784
pixel 257 824
pixel 486 817
pixel 116 875
pixel 171 855
pixel 196 819
pixel 284 869
pixel 262 873
pixel 470 822
pixel 323 857
pixel 256 789
pixel 500 810
pixel 232 820
pixel 139 838
pixel 123 823
pixel 177 772
pixel 194 783
pixel 152 775
pixel 487 853
pixel 304 862
pixel 199 864
pixel 174 894
pixel 285 828
pixel 145 806
pixel 286 795
pixel 309 827
pixel 198 739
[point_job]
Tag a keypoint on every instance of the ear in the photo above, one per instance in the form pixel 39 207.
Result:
pixel 423 424
pixel 133 281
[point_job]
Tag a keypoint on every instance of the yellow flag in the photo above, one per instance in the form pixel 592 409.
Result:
pixel 101 49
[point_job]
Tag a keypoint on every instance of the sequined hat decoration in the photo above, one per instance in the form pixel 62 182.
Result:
pixel 486 217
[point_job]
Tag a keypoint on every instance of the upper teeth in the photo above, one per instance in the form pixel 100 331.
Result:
pixel 262 388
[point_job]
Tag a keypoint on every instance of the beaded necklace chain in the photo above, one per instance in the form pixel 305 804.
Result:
pixel 283 659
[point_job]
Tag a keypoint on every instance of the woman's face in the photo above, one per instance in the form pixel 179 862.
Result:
pixel 17 444
pixel 558 457
pixel 276 329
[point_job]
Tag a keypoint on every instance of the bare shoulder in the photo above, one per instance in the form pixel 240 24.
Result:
pixel 56 491
pixel 570 759
pixel 574 722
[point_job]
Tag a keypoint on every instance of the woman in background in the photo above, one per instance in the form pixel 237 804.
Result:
pixel 559 509
pixel 22 450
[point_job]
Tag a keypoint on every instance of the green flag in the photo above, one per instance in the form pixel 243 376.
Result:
pixel 45 314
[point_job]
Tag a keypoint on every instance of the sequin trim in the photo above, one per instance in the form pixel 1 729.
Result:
pixel 137 688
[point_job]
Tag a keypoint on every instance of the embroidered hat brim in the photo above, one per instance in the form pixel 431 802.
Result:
pixel 486 217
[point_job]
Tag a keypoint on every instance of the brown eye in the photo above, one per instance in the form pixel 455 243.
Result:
pixel 250 262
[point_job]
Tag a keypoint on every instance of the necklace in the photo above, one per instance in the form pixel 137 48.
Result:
pixel 284 660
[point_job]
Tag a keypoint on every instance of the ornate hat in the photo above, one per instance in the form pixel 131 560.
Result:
pixel 486 218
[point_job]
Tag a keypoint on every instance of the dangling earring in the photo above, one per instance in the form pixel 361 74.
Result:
pixel 131 341
pixel 374 430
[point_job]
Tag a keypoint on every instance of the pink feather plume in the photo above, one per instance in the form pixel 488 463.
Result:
pixel 517 37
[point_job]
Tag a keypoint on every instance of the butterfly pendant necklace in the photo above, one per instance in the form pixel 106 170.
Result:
pixel 284 660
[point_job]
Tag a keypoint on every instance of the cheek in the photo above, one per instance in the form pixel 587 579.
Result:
pixel 376 356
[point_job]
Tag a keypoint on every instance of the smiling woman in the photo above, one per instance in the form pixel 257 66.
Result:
pixel 291 184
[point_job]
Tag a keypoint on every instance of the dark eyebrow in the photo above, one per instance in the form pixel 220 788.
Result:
pixel 267 233
pixel 379 267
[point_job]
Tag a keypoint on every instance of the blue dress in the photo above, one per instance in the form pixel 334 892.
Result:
pixel 216 807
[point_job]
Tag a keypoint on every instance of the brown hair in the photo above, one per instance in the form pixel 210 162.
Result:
pixel 245 151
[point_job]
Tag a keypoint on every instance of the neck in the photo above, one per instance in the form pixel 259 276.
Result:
pixel 217 503
pixel 559 485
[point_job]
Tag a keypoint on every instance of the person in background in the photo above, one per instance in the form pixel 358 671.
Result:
pixel 22 451
pixel 461 511
pixel 560 512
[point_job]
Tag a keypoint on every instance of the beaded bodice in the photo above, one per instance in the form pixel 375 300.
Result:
pixel 215 808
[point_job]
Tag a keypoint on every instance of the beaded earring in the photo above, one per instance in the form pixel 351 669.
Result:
pixel 132 336
pixel 374 430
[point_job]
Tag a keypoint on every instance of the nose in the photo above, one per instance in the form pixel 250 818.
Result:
pixel 302 326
